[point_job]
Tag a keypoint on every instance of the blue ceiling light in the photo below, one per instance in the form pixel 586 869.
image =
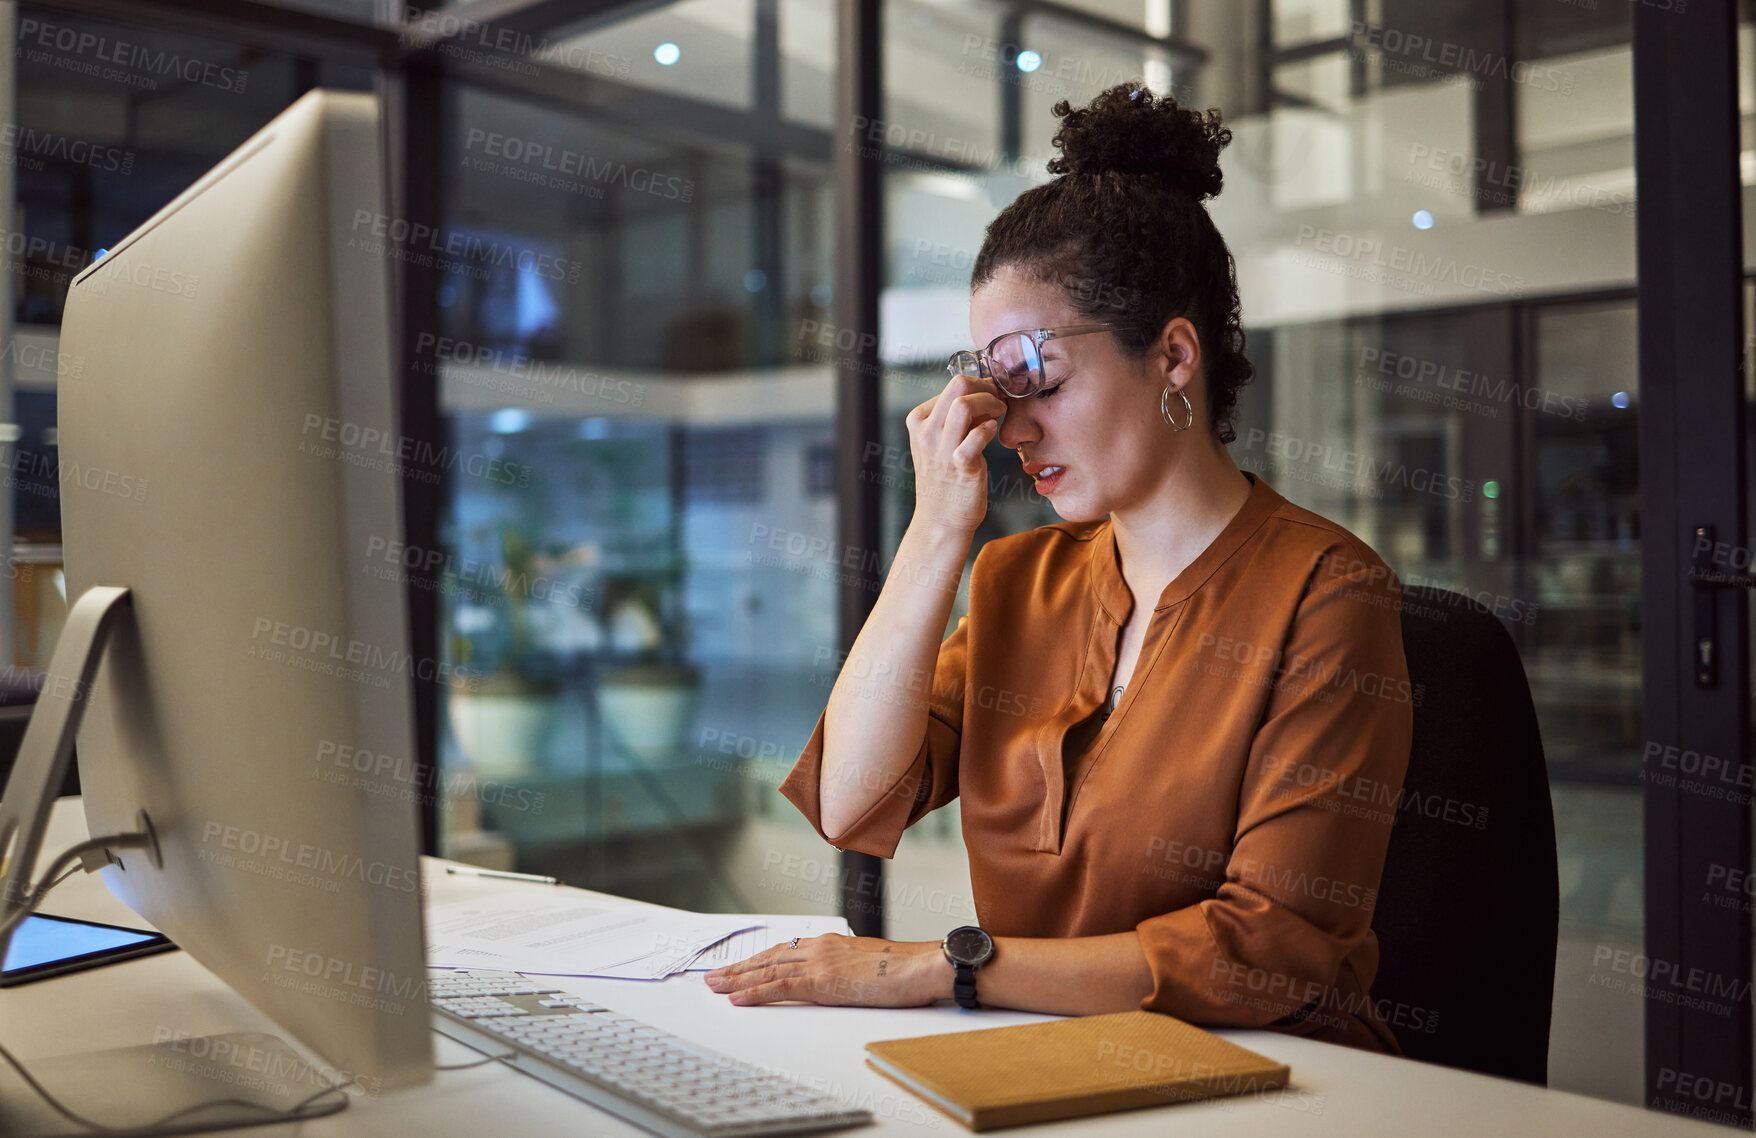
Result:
pixel 509 420
pixel 667 54
pixel 755 280
pixel 1620 399
pixel 1423 219
pixel 1029 61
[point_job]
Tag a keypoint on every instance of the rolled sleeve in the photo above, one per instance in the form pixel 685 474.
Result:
pixel 930 780
pixel 1276 946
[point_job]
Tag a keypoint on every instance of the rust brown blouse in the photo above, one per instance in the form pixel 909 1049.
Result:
pixel 1235 807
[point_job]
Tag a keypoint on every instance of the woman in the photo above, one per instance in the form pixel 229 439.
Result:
pixel 1179 719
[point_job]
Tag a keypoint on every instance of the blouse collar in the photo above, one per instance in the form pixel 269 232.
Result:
pixel 1112 588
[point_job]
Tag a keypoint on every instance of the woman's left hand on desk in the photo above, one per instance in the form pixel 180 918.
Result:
pixel 853 971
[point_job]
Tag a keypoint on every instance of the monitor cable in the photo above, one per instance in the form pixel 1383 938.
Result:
pixel 93 855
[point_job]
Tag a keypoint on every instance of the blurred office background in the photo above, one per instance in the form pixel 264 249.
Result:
pixel 648 598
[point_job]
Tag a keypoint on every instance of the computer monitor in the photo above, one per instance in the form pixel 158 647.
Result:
pixel 228 455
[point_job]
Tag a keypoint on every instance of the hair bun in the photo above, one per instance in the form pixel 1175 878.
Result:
pixel 1129 130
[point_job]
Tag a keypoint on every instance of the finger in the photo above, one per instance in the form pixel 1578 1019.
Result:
pixel 959 418
pixel 802 985
pixel 975 415
pixel 760 975
pixel 988 400
pixel 982 385
pixel 807 987
pixel 756 960
pixel 771 975
pixel 776 954
pixel 766 994
pixel 973 409
pixel 959 386
pixel 973 445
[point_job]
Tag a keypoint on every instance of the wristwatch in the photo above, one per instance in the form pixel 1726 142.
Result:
pixel 968 948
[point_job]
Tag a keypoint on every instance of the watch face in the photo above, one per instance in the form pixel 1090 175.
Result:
pixel 969 945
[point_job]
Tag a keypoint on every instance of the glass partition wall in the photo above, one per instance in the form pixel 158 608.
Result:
pixel 111 121
pixel 642 595
pixel 1431 206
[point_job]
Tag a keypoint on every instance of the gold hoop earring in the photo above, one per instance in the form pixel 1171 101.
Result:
pixel 1164 408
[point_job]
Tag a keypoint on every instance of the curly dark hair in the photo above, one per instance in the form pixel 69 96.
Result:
pixel 1123 232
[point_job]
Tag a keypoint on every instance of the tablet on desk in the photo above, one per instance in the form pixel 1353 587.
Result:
pixel 53 946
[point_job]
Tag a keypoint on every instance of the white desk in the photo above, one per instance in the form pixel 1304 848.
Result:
pixel 1338 1091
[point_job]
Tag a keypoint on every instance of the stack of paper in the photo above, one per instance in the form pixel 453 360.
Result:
pixel 556 931
pixel 775 929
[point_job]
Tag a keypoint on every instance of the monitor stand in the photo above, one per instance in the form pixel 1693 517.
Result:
pixel 40 769
pixel 207 1082
pixel 183 1085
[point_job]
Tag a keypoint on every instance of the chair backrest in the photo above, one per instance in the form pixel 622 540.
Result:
pixel 1469 906
pixel 18 698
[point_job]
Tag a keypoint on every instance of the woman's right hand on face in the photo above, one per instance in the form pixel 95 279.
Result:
pixel 946 435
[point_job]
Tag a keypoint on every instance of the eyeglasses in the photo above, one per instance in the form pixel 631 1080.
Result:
pixel 1014 361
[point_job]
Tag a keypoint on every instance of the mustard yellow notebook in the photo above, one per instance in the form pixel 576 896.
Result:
pixel 1004 1076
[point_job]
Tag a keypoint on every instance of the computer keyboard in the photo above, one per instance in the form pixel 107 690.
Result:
pixel 649 1077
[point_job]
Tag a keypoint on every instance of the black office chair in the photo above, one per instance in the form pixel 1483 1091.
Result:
pixel 18 698
pixel 1469 907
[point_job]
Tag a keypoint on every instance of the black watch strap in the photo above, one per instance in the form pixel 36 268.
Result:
pixel 963 988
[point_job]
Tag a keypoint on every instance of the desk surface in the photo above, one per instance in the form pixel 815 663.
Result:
pixel 1336 1091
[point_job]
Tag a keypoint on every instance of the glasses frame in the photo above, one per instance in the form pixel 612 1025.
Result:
pixel 984 360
